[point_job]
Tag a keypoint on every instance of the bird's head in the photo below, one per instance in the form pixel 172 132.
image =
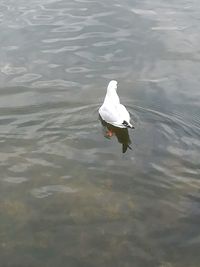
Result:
pixel 112 85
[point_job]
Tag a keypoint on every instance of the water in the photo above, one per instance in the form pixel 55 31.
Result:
pixel 68 196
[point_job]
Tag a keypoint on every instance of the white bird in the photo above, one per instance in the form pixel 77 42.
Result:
pixel 112 111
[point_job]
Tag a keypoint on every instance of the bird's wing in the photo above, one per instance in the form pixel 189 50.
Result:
pixel 110 114
pixel 124 114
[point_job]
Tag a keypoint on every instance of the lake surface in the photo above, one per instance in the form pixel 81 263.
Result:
pixel 68 196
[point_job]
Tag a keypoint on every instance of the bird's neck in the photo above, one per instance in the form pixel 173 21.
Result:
pixel 112 97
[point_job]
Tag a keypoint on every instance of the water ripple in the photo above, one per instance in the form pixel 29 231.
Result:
pixel 8 69
pixel 46 191
pixel 15 180
pixel 55 83
pixel 28 77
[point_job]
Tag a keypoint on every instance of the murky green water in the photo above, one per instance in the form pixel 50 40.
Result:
pixel 68 196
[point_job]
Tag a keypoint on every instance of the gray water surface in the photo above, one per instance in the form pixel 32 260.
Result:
pixel 68 196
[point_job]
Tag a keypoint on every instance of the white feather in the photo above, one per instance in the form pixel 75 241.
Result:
pixel 112 111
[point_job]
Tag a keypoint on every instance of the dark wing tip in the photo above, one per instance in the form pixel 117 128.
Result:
pixel 125 123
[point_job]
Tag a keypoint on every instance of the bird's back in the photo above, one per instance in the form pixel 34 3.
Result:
pixel 112 111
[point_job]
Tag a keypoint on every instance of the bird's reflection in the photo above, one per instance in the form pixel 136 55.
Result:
pixel 121 134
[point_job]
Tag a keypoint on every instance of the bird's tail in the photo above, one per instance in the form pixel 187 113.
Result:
pixel 131 126
pixel 128 124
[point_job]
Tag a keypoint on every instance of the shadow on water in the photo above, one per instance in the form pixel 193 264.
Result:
pixel 121 134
